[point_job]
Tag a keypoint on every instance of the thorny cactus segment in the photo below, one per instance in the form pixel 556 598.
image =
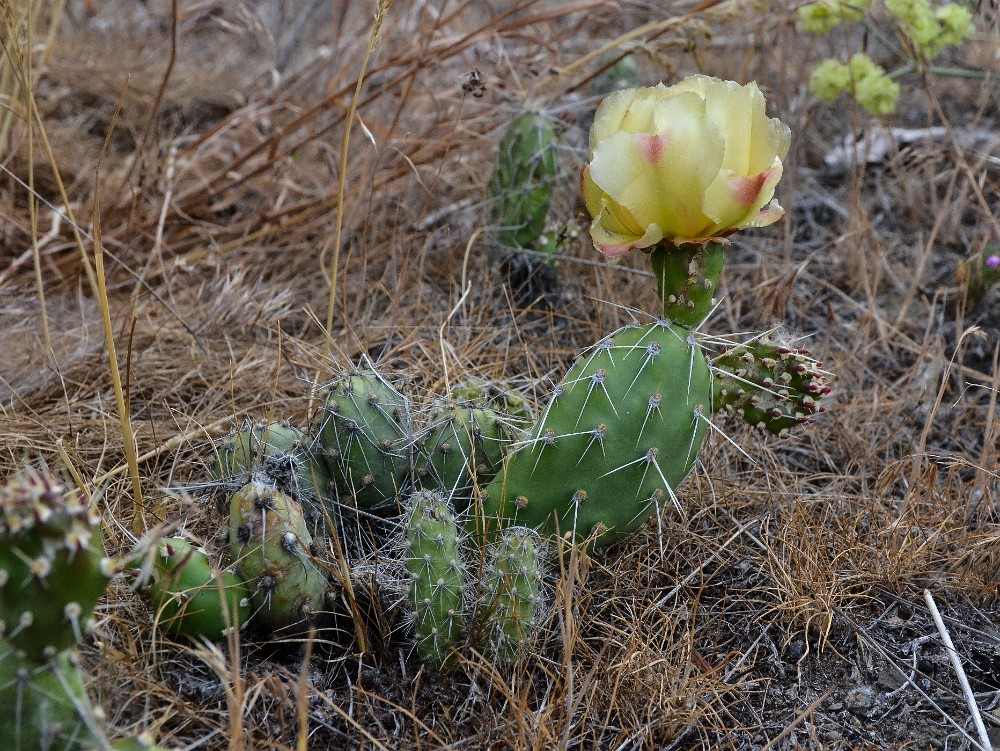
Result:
pixel 284 454
pixel 366 438
pixel 463 447
pixel 44 707
pixel 687 277
pixel 770 385
pixel 621 431
pixel 483 393
pixel 521 187
pixel 52 567
pixel 270 546
pixel 437 576
pixel 512 593
pixel 190 595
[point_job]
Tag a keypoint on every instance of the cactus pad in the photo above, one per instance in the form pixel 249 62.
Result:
pixel 190 595
pixel 521 187
pixel 366 438
pixel 437 576
pixel 462 447
pixel 770 384
pixel 52 568
pixel 512 593
pixel 43 707
pixel 284 454
pixel 270 546
pixel 621 431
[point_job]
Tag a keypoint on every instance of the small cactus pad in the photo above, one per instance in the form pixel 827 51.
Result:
pixel 366 438
pixel 686 279
pixel 512 593
pixel 521 187
pixel 190 595
pixel 462 447
pixel 43 707
pixel 437 576
pixel 284 454
pixel 480 392
pixel 52 568
pixel 770 384
pixel 621 431
pixel 270 546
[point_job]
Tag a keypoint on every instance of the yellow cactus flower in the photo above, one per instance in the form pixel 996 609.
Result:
pixel 686 163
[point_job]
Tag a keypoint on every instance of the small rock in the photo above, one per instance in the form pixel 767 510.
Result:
pixel 860 701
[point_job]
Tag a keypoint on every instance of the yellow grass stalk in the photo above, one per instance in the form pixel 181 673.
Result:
pixel 380 15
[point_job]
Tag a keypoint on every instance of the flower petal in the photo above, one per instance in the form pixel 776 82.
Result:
pixel 661 177
pixel 614 245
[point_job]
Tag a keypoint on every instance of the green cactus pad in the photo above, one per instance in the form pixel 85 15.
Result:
pixel 366 438
pixel 620 433
pixel 190 595
pixel 437 576
pixel 270 546
pixel 770 384
pixel 687 277
pixel 512 593
pixel 284 454
pixel 521 187
pixel 52 568
pixel 44 707
pixel 462 447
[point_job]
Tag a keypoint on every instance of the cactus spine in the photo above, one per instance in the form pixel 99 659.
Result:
pixel 366 438
pixel 191 596
pixel 270 546
pixel 52 568
pixel 621 431
pixel 437 576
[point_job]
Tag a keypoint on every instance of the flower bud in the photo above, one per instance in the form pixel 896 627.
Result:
pixel 687 163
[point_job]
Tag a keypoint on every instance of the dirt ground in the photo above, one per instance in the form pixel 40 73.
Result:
pixel 202 142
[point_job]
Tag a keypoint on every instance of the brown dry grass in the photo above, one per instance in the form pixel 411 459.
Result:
pixel 202 140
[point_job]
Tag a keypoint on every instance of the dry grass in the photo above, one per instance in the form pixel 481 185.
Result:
pixel 201 142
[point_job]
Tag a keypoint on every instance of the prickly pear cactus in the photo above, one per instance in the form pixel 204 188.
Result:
pixel 270 546
pixel 511 601
pixel 366 438
pixel 521 187
pixel 287 456
pixel 43 706
pixel 462 447
pixel 770 384
pixel 437 576
pixel 621 431
pixel 190 595
pixel 52 567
